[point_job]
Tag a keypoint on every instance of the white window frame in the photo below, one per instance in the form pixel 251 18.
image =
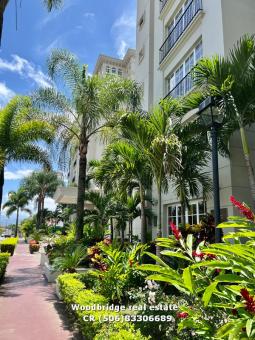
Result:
pixel 177 207
pixel 172 81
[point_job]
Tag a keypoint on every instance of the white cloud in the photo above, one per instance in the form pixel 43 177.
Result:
pixel 17 175
pixel 25 69
pixel 124 30
pixel 5 94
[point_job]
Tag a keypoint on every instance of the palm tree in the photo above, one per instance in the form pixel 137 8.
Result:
pixel 17 202
pixel 50 4
pixel 40 185
pixel 232 79
pixel 123 165
pixel 102 211
pixel 86 112
pixel 154 137
pixel 19 134
pixel 190 179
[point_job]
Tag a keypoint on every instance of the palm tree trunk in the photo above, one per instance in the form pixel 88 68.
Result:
pixel 3 5
pixel 1 186
pixel 129 230
pixel 42 212
pixel 246 152
pixel 143 218
pixel 39 209
pixel 159 227
pixel 122 235
pixel 81 190
pixel 248 163
pixel 17 223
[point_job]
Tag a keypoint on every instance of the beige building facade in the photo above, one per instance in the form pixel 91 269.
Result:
pixel 172 35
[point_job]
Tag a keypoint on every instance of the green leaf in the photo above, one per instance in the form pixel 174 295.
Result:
pixel 189 243
pixel 175 254
pixel 208 293
pixel 163 278
pixel 240 223
pixel 224 330
pixel 156 258
pixel 249 327
pixel 213 264
pixel 187 278
pixel 231 278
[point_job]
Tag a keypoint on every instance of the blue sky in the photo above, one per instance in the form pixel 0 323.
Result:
pixel 85 27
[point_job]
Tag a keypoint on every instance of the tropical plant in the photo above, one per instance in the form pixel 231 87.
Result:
pixel 17 201
pixel 123 164
pixel 102 211
pixel 19 133
pixel 39 185
pixel 117 273
pixel 70 261
pixel 221 276
pixel 191 179
pixel 86 112
pixel 231 79
pixel 154 137
pixel 3 5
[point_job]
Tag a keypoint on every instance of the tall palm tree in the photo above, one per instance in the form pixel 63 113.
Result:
pixel 19 134
pixel 155 138
pixel 191 179
pixel 50 4
pixel 123 165
pixel 85 112
pixel 17 201
pixel 40 185
pixel 232 79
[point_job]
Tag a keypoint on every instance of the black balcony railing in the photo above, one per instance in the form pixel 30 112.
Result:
pixel 180 27
pixel 182 87
pixel 162 4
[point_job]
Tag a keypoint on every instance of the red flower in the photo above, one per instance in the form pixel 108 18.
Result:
pixel 217 270
pixel 175 231
pixel 243 208
pixel 249 300
pixel 211 256
pixel 195 254
pixel 182 315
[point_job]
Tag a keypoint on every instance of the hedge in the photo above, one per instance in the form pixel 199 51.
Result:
pixel 74 294
pixel 120 331
pixel 4 259
pixel 8 245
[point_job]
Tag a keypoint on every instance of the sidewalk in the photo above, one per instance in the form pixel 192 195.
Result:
pixel 29 309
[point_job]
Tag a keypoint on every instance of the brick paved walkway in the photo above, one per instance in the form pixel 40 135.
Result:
pixel 29 309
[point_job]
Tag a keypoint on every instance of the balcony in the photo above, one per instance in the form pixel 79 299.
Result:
pixel 180 27
pixel 182 87
pixel 162 4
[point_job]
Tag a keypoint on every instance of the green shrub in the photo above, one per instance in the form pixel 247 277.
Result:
pixel 8 245
pixel 75 295
pixel 4 259
pixel 120 331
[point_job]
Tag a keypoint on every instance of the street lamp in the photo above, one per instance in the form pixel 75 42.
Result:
pixel 212 118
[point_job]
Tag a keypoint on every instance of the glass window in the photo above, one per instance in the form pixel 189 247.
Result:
pixel 199 51
pixel 113 70
pixel 120 72
pixel 107 69
pixel 193 215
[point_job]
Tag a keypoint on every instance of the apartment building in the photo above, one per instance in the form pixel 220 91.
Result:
pixel 172 35
pixel 105 65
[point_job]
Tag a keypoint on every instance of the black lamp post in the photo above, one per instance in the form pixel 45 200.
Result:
pixel 213 120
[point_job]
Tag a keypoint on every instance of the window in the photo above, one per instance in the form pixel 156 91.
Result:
pixel 193 215
pixel 199 51
pixel 107 69
pixel 180 81
pixel 114 70
pixel 120 72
